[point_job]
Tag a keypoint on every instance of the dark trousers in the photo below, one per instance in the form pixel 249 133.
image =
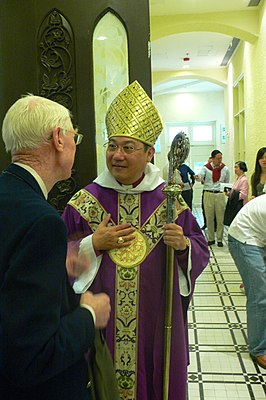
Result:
pixel 188 197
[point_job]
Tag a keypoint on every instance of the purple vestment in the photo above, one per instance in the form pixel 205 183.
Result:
pixel 151 295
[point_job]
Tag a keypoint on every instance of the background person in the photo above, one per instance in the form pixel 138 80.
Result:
pixel 247 245
pixel 122 216
pixel 45 328
pixel 213 173
pixel 238 195
pixel 204 226
pixel 258 181
pixel 188 179
pixel 258 178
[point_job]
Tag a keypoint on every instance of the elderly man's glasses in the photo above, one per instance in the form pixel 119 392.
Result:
pixel 126 149
pixel 77 137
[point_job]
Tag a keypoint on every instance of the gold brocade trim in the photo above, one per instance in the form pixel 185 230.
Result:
pixel 89 208
pixel 93 212
pixel 132 255
pixel 126 306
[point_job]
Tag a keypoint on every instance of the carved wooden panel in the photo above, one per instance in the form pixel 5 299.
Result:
pixel 57 81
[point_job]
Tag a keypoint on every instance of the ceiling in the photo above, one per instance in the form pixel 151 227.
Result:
pixel 172 7
pixel 205 50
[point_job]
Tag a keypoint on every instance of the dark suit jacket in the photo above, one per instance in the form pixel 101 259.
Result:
pixel 43 331
pixel 233 206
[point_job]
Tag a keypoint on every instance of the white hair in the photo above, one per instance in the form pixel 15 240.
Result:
pixel 30 120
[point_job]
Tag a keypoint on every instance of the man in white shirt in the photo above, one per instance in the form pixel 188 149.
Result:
pixel 247 245
pixel 213 174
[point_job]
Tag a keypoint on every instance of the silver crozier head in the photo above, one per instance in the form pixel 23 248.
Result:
pixel 177 155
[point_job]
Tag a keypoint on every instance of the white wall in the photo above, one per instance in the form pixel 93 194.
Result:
pixel 196 107
pixel 192 107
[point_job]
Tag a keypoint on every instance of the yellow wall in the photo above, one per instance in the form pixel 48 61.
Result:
pixel 250 61
pixel 242 24
pixel 238 62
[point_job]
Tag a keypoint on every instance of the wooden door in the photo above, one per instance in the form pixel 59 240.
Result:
pixel 46 49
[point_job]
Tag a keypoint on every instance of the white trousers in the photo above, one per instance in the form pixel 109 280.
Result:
pixel 214 206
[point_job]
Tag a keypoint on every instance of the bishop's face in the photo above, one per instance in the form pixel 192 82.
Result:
pixel 126 167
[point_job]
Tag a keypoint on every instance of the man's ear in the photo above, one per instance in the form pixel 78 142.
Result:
pixel 151 152
pixel 58 140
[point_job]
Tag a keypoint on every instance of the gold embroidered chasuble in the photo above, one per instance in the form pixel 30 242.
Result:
pixel 128 263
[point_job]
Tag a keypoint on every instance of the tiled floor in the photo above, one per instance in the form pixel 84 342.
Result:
pixel 220 366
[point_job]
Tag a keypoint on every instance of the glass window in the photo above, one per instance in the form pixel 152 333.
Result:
pixel 174 130
pixel 110 63
pixel 198 133
pixel 202 133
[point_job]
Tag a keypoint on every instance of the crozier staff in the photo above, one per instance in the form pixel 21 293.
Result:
pixel 177 155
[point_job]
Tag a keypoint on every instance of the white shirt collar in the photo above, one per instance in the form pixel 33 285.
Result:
pixel 36 176
pixel 150 181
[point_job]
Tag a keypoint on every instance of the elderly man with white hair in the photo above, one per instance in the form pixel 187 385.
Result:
pixel 45 328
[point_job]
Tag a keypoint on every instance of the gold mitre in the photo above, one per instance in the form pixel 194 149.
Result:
pixel 133 114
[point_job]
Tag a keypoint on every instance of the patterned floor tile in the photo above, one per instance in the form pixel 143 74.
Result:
pixel 220 366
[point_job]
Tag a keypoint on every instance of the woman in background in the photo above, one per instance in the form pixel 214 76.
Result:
pixel 258 178
pixel 238 195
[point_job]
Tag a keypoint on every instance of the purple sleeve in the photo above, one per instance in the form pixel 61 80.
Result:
pixel 77 227
pixel 200 254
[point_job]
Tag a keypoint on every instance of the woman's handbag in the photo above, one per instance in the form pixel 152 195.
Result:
pixel 233 206
pixel 101 370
